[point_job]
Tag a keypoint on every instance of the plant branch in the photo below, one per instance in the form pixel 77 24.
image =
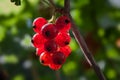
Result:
pixel 86 51
pixel 66 6
pixel 82 43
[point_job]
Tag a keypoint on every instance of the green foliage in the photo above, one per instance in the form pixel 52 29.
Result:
pixel 97 20
pixel 17 2
pixel 2 33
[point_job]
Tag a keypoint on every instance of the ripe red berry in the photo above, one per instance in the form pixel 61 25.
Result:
pixel 58 58
pixel 38 40
pixel 50 46
pixel 39 50
pixel 63 39
pixel 38 23
pixel 66 50
pixel 45 58
pixel 63 23
pixel 51 41
pixel 54 66
pixel 49 31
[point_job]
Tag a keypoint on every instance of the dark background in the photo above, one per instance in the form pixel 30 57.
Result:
pixel 98 22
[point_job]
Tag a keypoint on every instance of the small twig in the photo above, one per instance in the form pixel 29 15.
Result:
pixel 52 4
pixel 45 2
pixel 82 43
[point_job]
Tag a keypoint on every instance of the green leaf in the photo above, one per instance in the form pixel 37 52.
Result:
pixel 101 32
pixel 2 33
pixel 12 0
pixel 69 68
pixel 76 14
pixel 8 9
pixel 17 2
pixel 73 45
pixel 14 30
pixel 11 59
pixel 112 53
pixel 19 77
pixel 26 41
pixel 111 74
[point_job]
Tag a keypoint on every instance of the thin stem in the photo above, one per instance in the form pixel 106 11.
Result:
pixel 82 43
pixel 52 4
pixel 44 1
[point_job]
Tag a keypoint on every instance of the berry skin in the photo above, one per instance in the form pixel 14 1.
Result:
pixel 63 39
pixel 45 58
pixel 66 50
pixel 39 51
pixel 54 66
pixel 58 58
pixel 63 23
pixel 38 23
pixel 38 40
pixel 50 46
pixel 49 31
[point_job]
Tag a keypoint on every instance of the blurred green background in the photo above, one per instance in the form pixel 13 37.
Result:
pixel 98 22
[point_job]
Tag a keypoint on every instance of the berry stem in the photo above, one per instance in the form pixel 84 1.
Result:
pixel 89 57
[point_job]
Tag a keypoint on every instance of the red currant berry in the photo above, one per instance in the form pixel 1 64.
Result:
pixel 66 50
pixel 63 23
pixel 54 66
pixel 38 23
pixel 63 39
pixel 49 31
pixel 58 58
pixel 50 46
pixel 45 58
pixel 38 40
pixel 39 50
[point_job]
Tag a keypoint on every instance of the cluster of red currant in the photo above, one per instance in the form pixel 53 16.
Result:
pixel 51 41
